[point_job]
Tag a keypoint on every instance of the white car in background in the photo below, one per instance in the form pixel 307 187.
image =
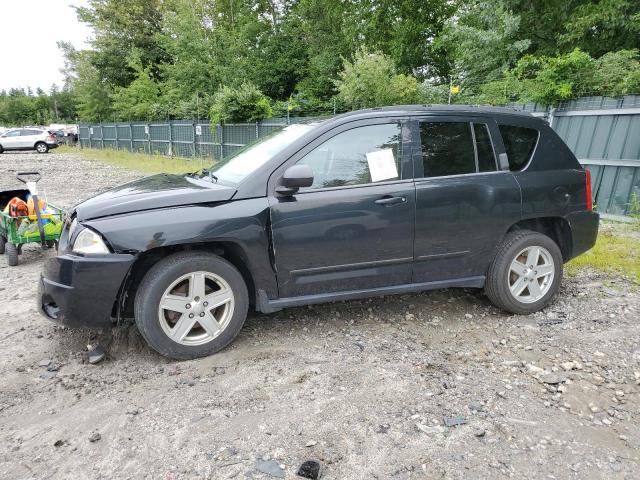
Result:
pixel 28 139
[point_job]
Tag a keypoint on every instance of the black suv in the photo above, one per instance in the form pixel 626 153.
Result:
pixel 374 202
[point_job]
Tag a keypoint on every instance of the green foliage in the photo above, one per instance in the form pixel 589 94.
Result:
pixel 120 28
pixel 19 107
pixel 549 80
pixel 598 27
pixel 617 73
pixel 243 104
pixel 158 59
pixel 140 99
pixel 371 80
pixel 434 94
pixel 483 42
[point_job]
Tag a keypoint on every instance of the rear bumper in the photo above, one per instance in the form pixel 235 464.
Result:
pixel 584 231
pixel 81 291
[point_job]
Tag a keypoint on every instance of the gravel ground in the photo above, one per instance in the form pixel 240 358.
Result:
pixel 433 385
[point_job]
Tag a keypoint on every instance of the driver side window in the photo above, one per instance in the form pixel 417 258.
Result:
pixel 358 156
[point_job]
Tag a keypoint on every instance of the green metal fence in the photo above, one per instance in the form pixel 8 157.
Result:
pixel 603 132
pixel 176 138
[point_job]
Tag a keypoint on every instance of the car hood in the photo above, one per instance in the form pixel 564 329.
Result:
pixel 157 191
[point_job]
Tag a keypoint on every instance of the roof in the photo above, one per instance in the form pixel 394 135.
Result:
pixel 447 109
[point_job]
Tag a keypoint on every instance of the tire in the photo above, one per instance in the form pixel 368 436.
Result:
pixel 42 147
pixel 11 252
pixel 506 277
pixel 3 242
pixel 174 276
pixel 1 150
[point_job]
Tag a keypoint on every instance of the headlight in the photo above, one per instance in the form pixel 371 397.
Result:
pixel 89 241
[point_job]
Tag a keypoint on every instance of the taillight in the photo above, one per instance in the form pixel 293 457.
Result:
pixel 51 137
pixel 588 190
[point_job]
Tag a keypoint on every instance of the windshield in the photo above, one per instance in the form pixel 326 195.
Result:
pixel 246 161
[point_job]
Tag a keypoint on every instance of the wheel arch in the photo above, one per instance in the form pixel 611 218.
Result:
pixel 230 251
pixel 556 228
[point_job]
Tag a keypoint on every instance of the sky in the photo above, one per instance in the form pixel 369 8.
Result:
pixel 29 31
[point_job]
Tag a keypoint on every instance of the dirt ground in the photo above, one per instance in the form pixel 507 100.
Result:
pixel 432 385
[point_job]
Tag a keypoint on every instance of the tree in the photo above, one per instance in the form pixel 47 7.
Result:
pixel 243 104
pixel 598 27
pixel 402 29
pixel 483 43
pixel 91 92
pixel 617 73
pixel 549 80
pixel 119 28
pixel 140 99
pixel 371 80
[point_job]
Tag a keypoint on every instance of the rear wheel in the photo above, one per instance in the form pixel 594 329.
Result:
pixel 11 252
pixel 526 272
pixel 191 305
pixel 42 147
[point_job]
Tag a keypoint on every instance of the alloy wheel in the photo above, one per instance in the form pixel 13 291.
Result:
pixel 531 274
pixel 196 308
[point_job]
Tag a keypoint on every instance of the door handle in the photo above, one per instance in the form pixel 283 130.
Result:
pixel 389 200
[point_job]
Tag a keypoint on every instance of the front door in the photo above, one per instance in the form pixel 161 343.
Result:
pixel 464 201
pixel 353 228
pixel 11 140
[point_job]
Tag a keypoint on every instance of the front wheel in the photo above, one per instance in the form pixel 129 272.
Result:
pixel 42 147
pixel 191 305
pixel 525 274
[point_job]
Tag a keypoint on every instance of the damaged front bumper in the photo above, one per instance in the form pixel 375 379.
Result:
pixel 81 291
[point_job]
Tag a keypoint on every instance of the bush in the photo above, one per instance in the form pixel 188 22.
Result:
pixel 434 94
pixel 617 73
pixel 243 104
pixel 371 81
pixel 549 80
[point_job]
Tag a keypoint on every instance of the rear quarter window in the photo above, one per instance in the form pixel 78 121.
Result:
pixel 519 142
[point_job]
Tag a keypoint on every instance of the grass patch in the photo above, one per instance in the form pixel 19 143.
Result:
pixel 140 162
pixel 611 254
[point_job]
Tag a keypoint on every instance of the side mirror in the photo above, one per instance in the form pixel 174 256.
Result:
pixel 294 178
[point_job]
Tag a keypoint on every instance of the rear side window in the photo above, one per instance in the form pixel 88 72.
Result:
pixel 519 143
pixel 486 157
pixel 447 148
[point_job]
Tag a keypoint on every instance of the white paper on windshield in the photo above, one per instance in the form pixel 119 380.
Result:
pixel 382 165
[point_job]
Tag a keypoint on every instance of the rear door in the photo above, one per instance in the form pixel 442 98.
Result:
pixel 353 228
pixel 465 201
pixel 29 137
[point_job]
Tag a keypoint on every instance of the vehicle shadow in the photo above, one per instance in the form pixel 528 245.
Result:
pixel 301 325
